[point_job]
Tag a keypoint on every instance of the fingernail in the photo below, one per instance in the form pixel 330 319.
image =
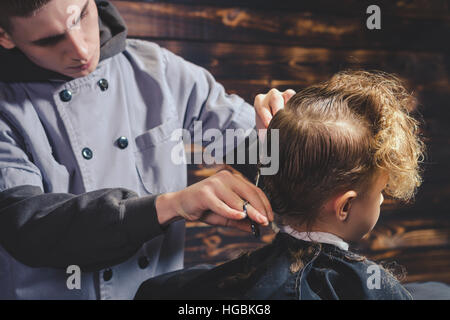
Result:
pixel 264 221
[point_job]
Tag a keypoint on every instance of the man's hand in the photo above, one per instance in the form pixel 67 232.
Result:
pixel 217 200
pixel 267 105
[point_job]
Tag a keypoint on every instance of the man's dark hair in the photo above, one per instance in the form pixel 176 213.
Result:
pixel 18 8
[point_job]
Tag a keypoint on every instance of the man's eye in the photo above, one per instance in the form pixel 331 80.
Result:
pixel 48 42
pixel 82 16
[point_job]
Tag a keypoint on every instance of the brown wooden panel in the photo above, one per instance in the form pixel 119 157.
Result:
pixel 433 197
pixel 205 23
pixel 438 154
pixel 392 233
pixel 436 9
pixel 434 103
pixel 424 264
pixel 308 65
pixel 216 245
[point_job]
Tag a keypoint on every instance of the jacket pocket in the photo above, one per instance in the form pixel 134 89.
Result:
pixel 158 169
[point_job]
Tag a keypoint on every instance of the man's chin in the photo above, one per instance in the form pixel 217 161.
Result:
pixel 79 74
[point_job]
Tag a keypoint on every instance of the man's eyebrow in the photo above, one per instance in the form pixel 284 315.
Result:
pixel 57 37
pixel 54 38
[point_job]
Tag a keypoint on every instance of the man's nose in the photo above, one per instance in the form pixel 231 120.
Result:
pixel 78 47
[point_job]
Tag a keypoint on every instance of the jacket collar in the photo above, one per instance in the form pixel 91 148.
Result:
pixel 16 67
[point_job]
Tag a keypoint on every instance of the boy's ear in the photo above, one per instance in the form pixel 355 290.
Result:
pixel 5 40
pixel 342 205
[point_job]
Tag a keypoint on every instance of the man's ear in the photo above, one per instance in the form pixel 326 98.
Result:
pixel 342 205
pixel 5 40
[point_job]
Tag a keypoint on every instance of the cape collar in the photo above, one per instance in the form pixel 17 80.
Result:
pixel 322 237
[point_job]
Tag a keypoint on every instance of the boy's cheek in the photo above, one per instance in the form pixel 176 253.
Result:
pixel 363 223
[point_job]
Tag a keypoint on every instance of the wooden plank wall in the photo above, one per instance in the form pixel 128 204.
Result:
pixel 251 46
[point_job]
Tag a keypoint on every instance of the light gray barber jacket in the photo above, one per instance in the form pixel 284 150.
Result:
pixel 81 163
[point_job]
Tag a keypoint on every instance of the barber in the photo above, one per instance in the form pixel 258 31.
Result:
pixel 86 177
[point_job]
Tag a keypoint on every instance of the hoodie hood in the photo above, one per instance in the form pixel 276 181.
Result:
pixel 16 67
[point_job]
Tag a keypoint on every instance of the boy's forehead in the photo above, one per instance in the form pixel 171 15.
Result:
pixel 50 20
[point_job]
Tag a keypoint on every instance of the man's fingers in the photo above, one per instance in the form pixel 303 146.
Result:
pixel 219 207
pixel 262 197
pixel 275 101
pixel 220 201
pixel 251 195
pixel 287 95
pixel 265 115
pixel 256 216
pixel 230 198
pixel 227 194
pixel 267 105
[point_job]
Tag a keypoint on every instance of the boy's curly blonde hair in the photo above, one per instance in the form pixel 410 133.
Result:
pixel 338 135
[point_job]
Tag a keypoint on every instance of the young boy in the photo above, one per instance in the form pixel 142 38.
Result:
pixel 342 144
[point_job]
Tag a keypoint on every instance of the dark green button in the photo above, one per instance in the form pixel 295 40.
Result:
pixel 65 95
pixel 107 274
pixel 143 262
pixel 103 84
pixel 122 142
pixel 87 153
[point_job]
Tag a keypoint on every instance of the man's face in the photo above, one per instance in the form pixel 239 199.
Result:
pixel 62 36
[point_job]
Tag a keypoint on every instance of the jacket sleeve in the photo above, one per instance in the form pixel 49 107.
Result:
pixel 199 97
pixel 93 230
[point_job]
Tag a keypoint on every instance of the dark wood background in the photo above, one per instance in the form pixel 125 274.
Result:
pixel 251 46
